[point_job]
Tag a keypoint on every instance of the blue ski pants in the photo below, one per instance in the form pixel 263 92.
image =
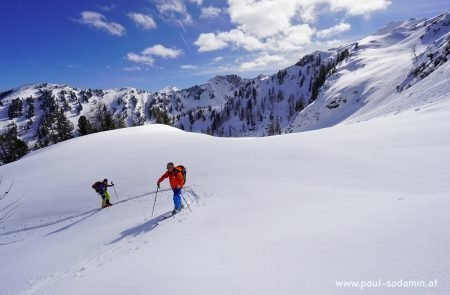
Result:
pixel 177 198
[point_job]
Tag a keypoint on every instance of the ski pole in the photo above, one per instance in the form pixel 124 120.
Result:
pixel 117 197
pixel 186 202
pixel 154 203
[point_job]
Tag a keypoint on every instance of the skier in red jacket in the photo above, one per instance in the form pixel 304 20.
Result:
pixel 176 183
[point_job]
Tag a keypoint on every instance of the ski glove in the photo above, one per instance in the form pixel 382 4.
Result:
pixel 158 185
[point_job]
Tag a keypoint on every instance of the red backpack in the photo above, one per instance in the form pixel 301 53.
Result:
pixel 182 170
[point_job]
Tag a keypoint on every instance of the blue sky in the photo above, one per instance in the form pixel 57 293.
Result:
pixel 150 44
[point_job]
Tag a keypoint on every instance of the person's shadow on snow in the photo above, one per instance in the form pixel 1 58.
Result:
pixel 142 228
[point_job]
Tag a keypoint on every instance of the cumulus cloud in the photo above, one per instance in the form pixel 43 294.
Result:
pixel 235 37
pixel 267 17
pixel 291 39
pixel 209 42
pixel 263 61
pixel 210 12
pixel 173 11
pixel 160 50
pixel 140 58
pixel 144 21
pixel 280 29
pixel 339 28
pixel 353 7
pixel 310 10
pixel 264 25
pixel 239 39
pixel 147 56
pixel 262 18
pixel 99 21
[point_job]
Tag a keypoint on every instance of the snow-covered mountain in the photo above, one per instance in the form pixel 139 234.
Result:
pixel 396 68
pixel 387 71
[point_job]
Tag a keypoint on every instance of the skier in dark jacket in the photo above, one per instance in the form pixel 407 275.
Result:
pixel 176 183
pixel 102 189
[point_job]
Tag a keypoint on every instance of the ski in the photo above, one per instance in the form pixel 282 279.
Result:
pixel 168 215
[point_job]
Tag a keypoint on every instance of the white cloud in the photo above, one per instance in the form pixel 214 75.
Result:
pixel 308 13
pixel 198 2
pixel 189 67
pixel 173 11
pixel 171 6
pixel 144 21
pixel 210 12
pixel 353 7
pixel 209 42
pixel 146 57
pixel 293 38
pixel 279 31
pixel 160 50
pixel 99 21
pixel 140 58
pixel 267 17
pixel 263 61
pixel 240 39
pixel 217 59
pixel 339 28
pixel 235 37
pixel 262 18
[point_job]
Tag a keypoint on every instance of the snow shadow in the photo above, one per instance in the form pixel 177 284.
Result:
pixel 146 227
pixel 85 215
pixel 72 224
pixel 43 225
pixel 68 218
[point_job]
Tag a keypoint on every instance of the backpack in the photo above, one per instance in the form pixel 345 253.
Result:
pixel 96 186
pixel 182 170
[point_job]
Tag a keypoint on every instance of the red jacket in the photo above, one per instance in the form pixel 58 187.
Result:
pixel 175 178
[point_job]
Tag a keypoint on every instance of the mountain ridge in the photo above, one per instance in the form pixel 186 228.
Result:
pixel 322 89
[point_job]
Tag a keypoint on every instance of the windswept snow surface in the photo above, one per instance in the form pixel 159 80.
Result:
pixel 288 214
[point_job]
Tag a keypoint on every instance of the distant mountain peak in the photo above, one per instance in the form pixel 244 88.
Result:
pixel 169 89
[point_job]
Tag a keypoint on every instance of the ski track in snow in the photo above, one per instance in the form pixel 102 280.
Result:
pixel 127 243
pixel 82 216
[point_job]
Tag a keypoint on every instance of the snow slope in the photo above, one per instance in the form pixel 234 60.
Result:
pixel 289 214
pixel 381 75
